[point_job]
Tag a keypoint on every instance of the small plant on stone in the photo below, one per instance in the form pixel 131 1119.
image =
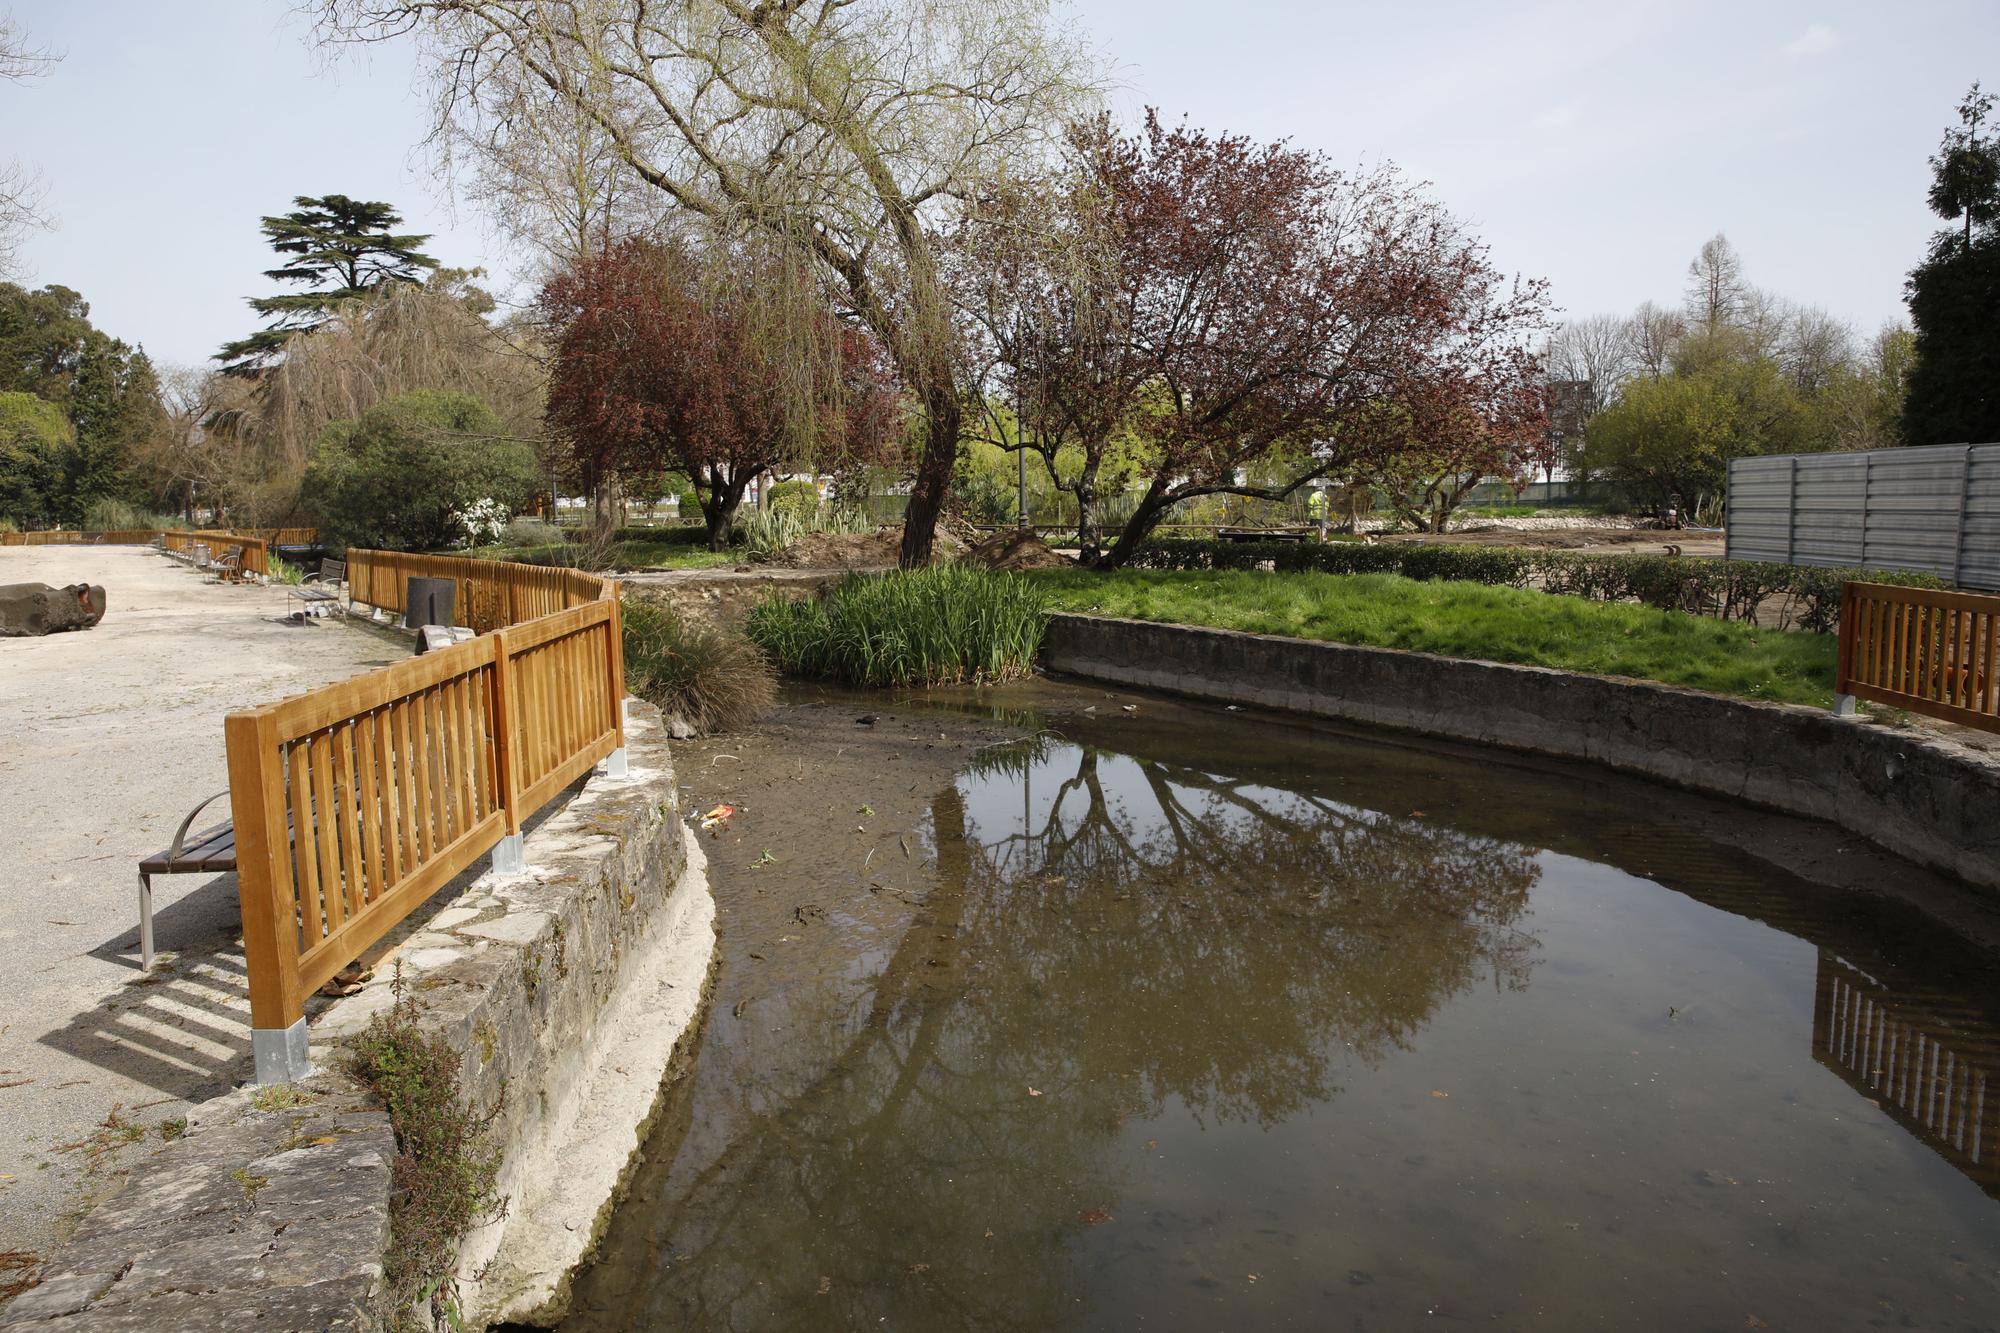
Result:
pixel 446 1163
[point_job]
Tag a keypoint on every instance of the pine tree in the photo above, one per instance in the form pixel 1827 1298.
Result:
pixel 1954 294
pixel 338 248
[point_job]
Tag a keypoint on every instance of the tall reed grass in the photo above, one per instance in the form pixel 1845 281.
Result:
pixel 938 626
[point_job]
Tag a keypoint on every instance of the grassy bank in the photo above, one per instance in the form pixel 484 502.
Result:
pixel 1495 624
pixel 625 554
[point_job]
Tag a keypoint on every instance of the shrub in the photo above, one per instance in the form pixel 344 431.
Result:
pixel 112 515
pixel 800 495
pixel 398 477
pixel 937 626
pixel 711 678
pixel 284 571
pixel 446 1164
pixel 1731 589
pixel 528 531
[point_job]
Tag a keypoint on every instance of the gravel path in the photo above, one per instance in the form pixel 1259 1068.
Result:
pixel 107 738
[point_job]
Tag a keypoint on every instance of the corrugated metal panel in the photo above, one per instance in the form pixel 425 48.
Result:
pixel 1935 509
pixel 1758 526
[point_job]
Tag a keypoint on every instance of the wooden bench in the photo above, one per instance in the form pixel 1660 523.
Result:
pixel 210 853
pixel 326 589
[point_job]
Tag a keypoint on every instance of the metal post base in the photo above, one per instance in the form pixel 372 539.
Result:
pixel 283 1055
pixel 510 854
pixel 1844 705
pixel 613 765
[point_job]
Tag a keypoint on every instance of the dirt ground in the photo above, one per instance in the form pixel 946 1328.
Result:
pixel 108 737
pixel 1629 541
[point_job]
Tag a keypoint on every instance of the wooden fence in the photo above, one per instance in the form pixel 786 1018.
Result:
pixel 1929 652
pixel 491 593
pixel 356 802
pixel 253 554
pixel 142 536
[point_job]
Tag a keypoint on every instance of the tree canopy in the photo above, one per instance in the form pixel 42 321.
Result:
pixel 338 249
pixel 1954 393
pixel 397 477
pixel 720 367
pixel 1244 317
pixel 105 390
pixel 839 129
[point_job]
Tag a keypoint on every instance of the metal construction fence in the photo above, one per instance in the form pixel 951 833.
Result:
pixel 1935 509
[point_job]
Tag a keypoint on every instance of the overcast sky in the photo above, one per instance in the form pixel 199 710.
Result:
pixel 1595 144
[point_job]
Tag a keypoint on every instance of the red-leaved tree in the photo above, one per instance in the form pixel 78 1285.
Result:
pixel 1246 317
pixel 713 365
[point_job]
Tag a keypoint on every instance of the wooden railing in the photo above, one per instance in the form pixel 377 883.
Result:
pixel 1926 651
pixel 141 536
pixel 253 553
pixel 356 802
pixel 491 593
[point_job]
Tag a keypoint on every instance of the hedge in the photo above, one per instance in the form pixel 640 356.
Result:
pixel 1729 589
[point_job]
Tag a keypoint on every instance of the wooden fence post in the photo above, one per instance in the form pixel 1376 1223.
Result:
pixel 1843 677
pixel 617 664
pixel 264 893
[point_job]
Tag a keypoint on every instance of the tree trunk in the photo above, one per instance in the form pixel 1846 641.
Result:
pixel 718 508
pixel 1144 519
pixel 933 481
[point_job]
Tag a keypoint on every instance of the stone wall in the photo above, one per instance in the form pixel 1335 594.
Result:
pixel 1919 796
pixel 567 989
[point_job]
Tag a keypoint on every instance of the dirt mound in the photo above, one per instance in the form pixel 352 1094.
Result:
pixel 1016 550
pixel 857 550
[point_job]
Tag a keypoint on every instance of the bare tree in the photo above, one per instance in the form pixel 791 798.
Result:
pixel 1653 333
pixel 1596 352
pixel 22 188
pixel 1716 289
pixel 1814 346
pixel 838 126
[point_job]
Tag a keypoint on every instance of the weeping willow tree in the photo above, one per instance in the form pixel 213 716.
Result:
pixel 400 339
pixel 839 128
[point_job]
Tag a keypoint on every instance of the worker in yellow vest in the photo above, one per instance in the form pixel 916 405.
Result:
pixel 1316 509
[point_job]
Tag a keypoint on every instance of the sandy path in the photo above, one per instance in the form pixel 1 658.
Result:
pixel 107 738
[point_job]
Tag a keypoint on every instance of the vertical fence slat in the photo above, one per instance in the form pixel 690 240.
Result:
pixel 349 798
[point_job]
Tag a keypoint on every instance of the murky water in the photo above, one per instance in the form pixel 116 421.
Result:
pixel 1173 1019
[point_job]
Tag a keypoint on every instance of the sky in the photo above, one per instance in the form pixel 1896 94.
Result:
pixel 1596 145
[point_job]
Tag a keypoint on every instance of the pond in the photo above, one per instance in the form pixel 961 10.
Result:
pixel 1138 1014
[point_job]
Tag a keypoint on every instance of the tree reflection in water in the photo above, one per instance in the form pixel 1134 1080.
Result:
pixel 1114 946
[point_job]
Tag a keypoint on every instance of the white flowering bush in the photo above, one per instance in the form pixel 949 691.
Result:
pixel 483 521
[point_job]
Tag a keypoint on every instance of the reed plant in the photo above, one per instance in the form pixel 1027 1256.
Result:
pixel 947 624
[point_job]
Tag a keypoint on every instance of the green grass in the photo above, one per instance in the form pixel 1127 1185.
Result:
pixel 627 555
pixel 938 626
pixel 1494 624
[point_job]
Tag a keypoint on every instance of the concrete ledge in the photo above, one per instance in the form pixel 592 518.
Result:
pixel 268 1219
pixel 1921 797
pixel 566 987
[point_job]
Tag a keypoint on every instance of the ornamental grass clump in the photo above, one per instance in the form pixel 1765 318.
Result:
pixel 711 678
pixel 942 625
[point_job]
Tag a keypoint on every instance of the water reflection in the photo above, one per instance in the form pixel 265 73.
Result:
pixel 1141 942
pixel 1214 1026
pixel 1930 1063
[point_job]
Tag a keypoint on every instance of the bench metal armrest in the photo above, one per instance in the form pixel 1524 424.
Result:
pixel 180 834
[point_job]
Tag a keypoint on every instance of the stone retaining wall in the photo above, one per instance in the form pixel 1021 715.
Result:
pixel 1921 797
pixel 567 988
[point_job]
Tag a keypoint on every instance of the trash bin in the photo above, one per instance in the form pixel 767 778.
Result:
pixel 429 601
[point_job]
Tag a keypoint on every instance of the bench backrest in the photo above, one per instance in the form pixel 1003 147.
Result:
pixel 333 571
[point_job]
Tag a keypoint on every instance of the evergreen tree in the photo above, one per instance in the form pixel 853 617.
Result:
pixel 338 248
pixel 1954 294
